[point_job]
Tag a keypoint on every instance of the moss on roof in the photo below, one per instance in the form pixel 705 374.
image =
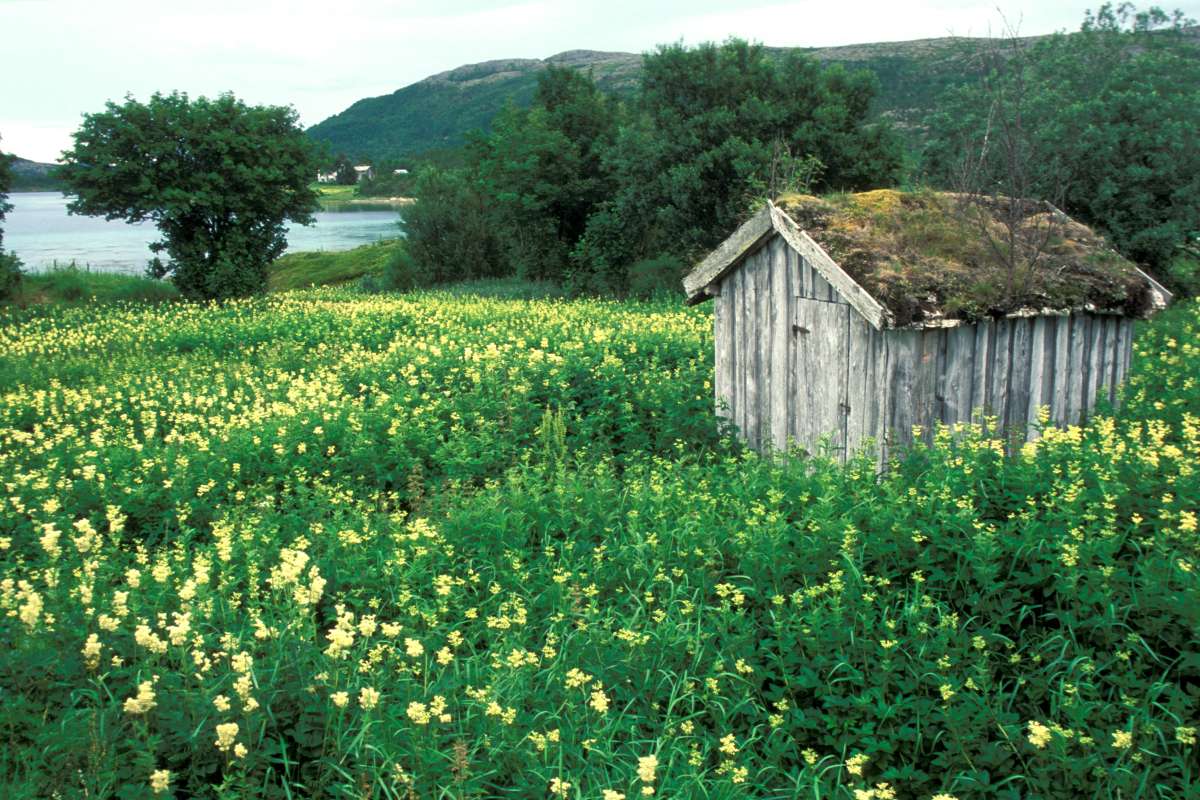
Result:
pixel 930 255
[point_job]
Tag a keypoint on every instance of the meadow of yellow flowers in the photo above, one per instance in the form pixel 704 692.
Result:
pixel 454 546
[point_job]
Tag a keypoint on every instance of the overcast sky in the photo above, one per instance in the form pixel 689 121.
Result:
pixel 64 58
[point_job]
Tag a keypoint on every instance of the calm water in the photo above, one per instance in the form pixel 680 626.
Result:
pixel 41 233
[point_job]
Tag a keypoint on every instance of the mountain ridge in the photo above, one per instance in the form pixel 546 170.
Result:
pixel 438 110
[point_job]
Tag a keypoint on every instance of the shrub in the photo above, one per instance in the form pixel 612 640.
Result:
pixel 10 275
pixel 402 274
pixel 1183 275
pixel 449 230
pixel 660 275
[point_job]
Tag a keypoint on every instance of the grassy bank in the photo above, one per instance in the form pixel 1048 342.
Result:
pixel 333 197
pixel 72 284
pixel 302 270
pixel 75 285
pixel 324 544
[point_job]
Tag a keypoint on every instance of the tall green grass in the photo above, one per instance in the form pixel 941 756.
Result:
pixel 73 284
pixel 304 270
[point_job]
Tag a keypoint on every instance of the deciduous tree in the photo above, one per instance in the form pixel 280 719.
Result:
pixel 219 178
pixel 1107 117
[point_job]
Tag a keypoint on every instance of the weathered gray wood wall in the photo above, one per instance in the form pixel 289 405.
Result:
pixel 795 363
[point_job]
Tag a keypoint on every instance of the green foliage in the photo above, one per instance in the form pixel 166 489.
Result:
pixel 330 268
pixel 344 172
pixel 661 275
pixel 11 275
pixel 70 283
pixel 10 265
pixel 578 190
pixel 450 229
pixel 716 119
pixel 521 515
pixel 219 178
pixel 1109 114
pixel 543 168
pixel 1183 274
pixel 401 273
pixel 5 183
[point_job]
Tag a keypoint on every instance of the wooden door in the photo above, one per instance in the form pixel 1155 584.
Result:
pixel 820 336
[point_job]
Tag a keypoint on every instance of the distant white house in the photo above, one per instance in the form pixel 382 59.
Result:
pixel 400 171
pixel 326 177
pixel 364 171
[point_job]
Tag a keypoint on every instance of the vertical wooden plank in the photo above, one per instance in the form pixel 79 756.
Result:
pixel 766 330
pixel 981 381
pixel 1077 368
pixel 1095 351
pixel 1124 347
pixel 732 288
pixel 802 384
pixel 754 388
pixel 781 334
pixel 860 381
pixel 1001 358
pixel 723 350
pixel 744 336
pixel 1038 351
pixel 904 349
pixel 879 392
pixel 795 377
pixel 959 371
pixel 925 411
pixel 1059 414
pixel 804 288
pixel 1112 349
pixel 821 290
pixel 1019 390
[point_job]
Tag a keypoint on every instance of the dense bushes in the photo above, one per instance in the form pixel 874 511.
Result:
pixel 579 187
pixel 450 545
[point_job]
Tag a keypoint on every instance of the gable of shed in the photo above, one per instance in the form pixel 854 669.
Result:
pixel 768 223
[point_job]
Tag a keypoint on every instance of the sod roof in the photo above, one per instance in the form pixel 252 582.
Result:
pixel 929 256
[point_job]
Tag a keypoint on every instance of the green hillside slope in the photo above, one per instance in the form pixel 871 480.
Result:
pixel 438 111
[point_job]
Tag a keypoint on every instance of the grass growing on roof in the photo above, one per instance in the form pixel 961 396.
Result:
pixel 927 254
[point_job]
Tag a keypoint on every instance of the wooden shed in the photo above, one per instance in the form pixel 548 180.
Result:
pixel 864 317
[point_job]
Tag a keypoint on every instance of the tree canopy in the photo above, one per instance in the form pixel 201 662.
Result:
pixel 1109 116
pixel 581 188
pixel 5 182
pixel 219 178
pixel 716 122
pixel 10 266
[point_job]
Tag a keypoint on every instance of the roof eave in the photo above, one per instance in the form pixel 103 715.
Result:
pixel 721 261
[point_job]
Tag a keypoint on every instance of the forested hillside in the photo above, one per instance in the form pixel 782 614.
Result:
pixel 439 110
